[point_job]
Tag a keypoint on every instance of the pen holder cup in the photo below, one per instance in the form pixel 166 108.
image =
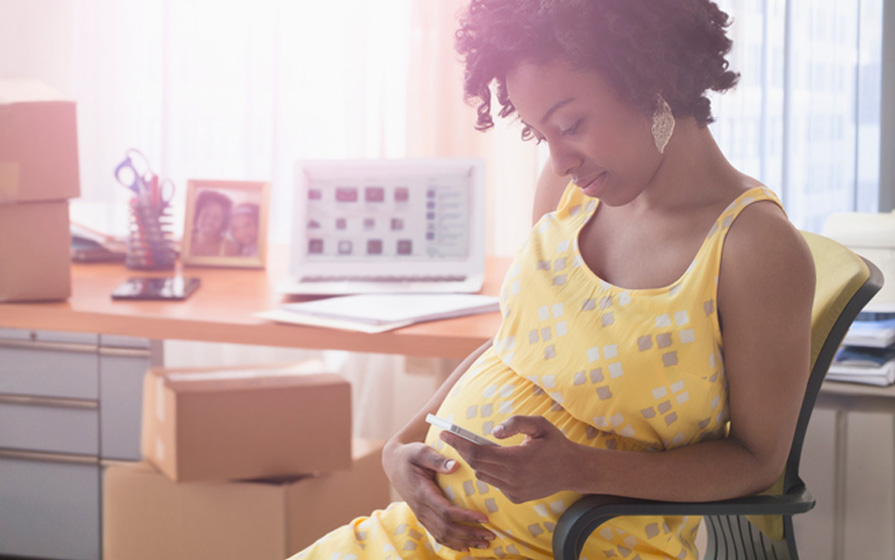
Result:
pixel 149 245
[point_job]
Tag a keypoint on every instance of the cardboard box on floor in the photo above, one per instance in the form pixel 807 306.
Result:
pixel 146 516
pixel 38 143
pixel 246 422
pixel 34 251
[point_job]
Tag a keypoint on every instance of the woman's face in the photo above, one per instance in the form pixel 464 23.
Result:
pixel 601 142
pixel 244 229
pixel 210 220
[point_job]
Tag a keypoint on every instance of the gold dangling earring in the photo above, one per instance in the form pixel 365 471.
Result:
pixel 663 124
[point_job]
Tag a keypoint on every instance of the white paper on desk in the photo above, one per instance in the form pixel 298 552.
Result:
pixel 871 338
pixel 882 375
pixel 373 313
pixel 878 380
pixel 283 316
pixel 871 333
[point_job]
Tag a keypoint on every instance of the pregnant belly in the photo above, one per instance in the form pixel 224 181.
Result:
pixel 485 396
pixel 488 394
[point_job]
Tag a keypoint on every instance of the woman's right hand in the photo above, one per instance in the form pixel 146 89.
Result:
pixel 412 468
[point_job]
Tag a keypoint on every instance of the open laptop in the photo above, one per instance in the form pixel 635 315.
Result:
pixel 388 226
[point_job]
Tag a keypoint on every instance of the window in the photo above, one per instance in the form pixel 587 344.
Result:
pixel 805 117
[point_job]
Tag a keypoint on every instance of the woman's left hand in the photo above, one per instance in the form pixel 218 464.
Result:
pixel 540 466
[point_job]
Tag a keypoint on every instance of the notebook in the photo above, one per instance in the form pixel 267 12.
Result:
pixel 387 226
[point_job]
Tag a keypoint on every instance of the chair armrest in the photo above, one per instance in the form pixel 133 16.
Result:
pixel 584 516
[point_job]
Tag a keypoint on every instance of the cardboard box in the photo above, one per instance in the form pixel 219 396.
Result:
pixel 146 516
pixel 245 422
pixel 38 143
pixel 34 251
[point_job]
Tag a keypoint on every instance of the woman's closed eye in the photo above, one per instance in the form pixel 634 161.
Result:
pixel 529 133
pixel 572 129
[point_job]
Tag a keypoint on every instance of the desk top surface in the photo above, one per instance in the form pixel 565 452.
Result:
pixel 222 311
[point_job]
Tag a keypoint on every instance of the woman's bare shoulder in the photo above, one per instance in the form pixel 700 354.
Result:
pixel 764 226
pixel 763 249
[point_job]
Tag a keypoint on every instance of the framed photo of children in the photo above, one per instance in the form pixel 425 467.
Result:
pixel 226 223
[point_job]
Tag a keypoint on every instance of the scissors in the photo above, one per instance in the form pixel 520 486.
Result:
pixel 160 194
pixel 137 176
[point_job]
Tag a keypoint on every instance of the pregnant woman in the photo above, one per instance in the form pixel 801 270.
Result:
pixel 655 333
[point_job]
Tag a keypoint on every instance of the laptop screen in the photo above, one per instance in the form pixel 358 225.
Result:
pixel 370 217
pixel 388 210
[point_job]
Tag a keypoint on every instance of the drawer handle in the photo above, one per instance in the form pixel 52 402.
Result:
pixel 48 457
pixel 124 352
pixel 54 346
pixel 31 400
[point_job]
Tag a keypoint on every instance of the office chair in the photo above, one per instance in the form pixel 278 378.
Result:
pixel 845 283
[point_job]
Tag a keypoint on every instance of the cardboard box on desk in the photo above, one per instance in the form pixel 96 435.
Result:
pixel 146 516
pixel 245 422
pixel 38 143
pixel 34 251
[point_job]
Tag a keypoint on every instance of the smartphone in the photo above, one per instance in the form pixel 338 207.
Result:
pixel 169 288
pixel 455 429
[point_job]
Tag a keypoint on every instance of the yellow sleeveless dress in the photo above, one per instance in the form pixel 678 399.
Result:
pixel 636 370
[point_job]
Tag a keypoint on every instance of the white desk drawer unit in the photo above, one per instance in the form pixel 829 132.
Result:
pixel 848 464
pixel 122 364
pixel 50 369
pixel 67 401
pixel 49 424
pixel 49 506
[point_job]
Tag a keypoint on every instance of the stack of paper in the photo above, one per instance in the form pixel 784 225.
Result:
pixel 375 313
pixel 871 333
pixel 871 366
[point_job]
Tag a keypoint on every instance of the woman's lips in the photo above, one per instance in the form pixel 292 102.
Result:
pixel 590 186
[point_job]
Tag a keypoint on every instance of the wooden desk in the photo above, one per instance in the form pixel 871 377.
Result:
pixel 221 311
pixel 95 384
pixel 855 397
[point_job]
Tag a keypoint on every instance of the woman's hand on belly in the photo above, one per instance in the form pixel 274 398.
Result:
pixel 412 468
pixel 528 471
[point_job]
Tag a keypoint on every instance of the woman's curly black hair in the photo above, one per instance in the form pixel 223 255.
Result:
pixel 641 47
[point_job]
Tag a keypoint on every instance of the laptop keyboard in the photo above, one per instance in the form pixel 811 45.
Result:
pixel 428 278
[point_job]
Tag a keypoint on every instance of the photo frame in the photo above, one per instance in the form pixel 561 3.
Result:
pixel 226 223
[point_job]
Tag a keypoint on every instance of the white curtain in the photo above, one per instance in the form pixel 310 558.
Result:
pixel 237 90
